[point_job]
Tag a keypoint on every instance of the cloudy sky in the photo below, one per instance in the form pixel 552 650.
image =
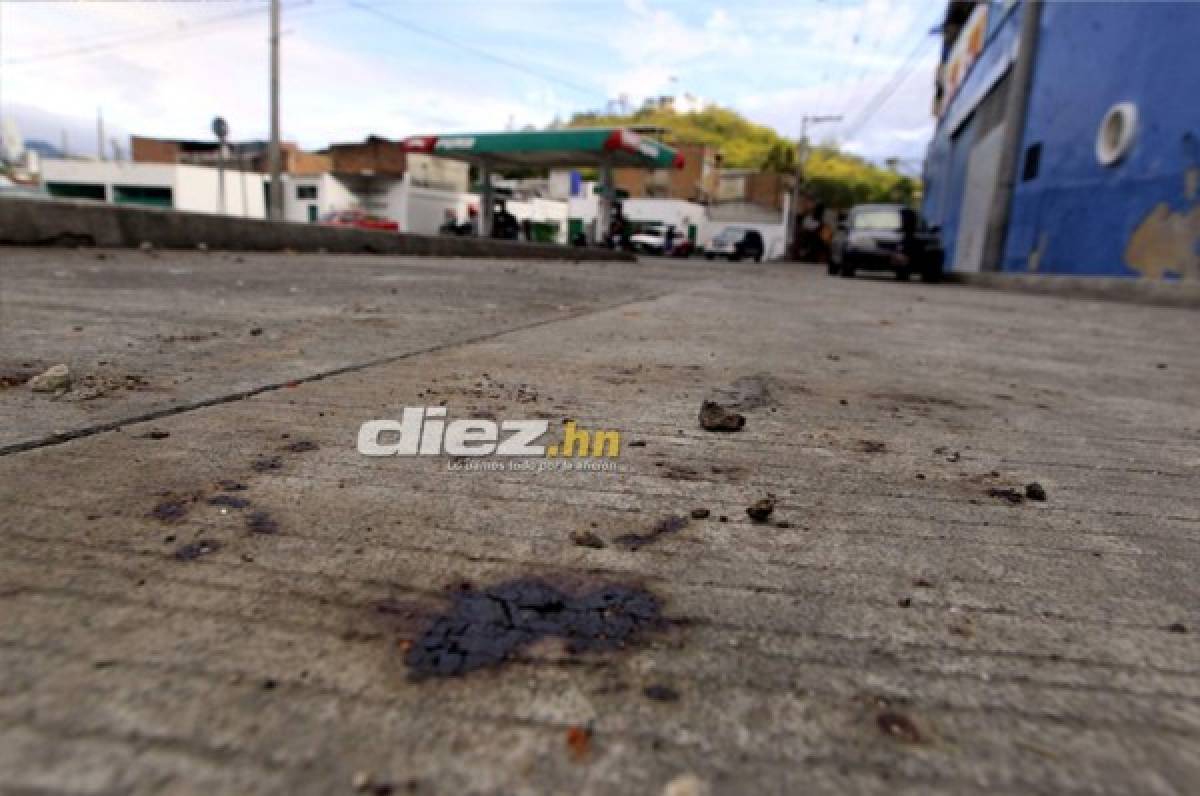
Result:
pixel 397 67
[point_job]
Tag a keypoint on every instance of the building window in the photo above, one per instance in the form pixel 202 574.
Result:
pixel 77 190
pixel 306 192
pixel 150 195
pixel 1033 162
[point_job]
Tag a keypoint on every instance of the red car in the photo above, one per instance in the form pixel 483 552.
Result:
pixel 360 220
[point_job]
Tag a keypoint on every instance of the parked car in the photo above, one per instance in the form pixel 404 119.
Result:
pixel 359 220
pixel 886 238
pixel 650 239
pixel 737 243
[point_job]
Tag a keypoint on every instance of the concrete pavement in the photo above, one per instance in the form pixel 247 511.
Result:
pixel 899 626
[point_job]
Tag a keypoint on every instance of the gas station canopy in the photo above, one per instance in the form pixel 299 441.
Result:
pixel 611 147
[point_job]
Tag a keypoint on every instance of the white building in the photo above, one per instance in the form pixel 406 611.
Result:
pixel 418 204
pixel 194 189
pixel 309 198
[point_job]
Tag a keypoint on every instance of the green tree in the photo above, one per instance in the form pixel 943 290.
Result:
pixel 836 178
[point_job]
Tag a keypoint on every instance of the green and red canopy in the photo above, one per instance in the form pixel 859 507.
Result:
pixel 569 148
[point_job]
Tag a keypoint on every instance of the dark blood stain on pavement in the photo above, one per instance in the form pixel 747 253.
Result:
pixel 262 522
pixel 194 550
pixel 485 627
pixel 661 693
pixel 636 541
pixel 228 501
pixel 170 510
pixel 264 464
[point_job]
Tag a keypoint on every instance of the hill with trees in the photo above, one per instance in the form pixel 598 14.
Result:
pixel 836 178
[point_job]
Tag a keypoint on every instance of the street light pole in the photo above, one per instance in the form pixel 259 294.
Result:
pixel 273 155
pixel 801 159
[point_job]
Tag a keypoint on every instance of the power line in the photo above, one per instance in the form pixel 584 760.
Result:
pixel 161 34
pixel 499 59
pixel 885 93
pixel 913 27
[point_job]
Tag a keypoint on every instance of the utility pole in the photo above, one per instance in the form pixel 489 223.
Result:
pixel 220 129
pixel 100 134
pixel 273 157
pixel 801 159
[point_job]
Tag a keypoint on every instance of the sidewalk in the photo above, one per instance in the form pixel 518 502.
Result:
pixel 896 627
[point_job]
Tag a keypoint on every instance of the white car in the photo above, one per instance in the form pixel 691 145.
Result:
pixel 652 239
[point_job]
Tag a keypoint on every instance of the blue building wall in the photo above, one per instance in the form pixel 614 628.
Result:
pixel 1140 217
pixel 1078 216
pixel 946 159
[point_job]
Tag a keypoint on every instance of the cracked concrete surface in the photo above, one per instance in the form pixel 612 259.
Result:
pixel 902 631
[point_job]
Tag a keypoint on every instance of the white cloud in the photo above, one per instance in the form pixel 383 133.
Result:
pixel 347 74
pixel 174 86
pixel 656 46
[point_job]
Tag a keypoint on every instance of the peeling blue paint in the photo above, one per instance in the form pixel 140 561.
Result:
pixel 1077 216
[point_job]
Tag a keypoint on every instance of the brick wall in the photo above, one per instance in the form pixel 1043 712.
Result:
pixel 153 150
pixel 375 155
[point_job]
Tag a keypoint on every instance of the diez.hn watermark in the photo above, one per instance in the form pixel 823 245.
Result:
pixel 425 431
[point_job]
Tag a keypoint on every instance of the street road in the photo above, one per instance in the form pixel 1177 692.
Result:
pixel 205 588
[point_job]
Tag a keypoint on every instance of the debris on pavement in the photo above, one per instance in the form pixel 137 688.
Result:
pixel 171 509
pixel 899 726
pixel 228 501
pixel 660 693
pixel 52 379
pixel 485 627
pixel 700 514
pixel 761 510
pixel 1035 491
pixel 714 417
pixel 667 525
pixel 193 550
pixel 262 522
pixel 588 539
pixel 872 446
pixel 1012 496
pixel 302 446
pixel 155 434
pixel 264 464
pixel 579 742
pixel 1177 627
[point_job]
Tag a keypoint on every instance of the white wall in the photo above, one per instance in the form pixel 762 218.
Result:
pixel 193 188
pixel 332 196
pixel 675 212
pixel 196 191
pixel 425 210
pixel 541 210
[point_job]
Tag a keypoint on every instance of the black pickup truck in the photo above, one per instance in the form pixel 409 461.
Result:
pixel 886 238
